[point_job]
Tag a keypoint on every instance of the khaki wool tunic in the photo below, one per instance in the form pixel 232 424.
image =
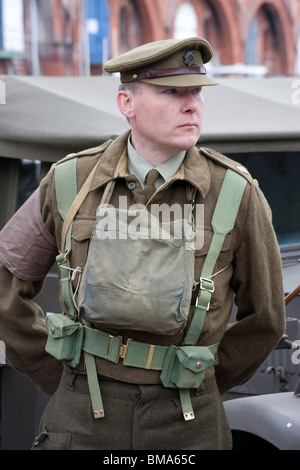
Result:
pixel 250 254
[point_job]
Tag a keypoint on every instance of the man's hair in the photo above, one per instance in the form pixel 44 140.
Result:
pixel 131 86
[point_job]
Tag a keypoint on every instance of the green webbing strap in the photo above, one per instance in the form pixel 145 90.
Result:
pixel 224 215
pixel 222 223
pixel 186 404
pixel 65 185
pixel 93 383
pixel 66 191
pixel 68 202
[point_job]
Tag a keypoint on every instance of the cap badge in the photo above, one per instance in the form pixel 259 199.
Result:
pixel 189 58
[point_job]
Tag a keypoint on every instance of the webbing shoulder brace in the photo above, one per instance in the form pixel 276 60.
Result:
pixel 68 203
pixel 222 223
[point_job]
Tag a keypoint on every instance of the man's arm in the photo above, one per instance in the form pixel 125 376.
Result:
pixel 24 332
pixel 257 282
pixel 27 252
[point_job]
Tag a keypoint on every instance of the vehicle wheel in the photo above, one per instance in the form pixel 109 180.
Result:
pixel 246 441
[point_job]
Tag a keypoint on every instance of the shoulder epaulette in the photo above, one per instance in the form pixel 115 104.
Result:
pixel 82 153
pixel 227 162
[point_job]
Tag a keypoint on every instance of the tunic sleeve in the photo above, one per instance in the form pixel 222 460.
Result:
pixel 27 248
pixel 259 296
pixel 27 252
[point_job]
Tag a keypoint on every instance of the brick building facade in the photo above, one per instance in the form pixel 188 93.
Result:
pixel 74 37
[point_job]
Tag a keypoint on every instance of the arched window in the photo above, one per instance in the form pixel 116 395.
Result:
pixel 98 30
pixel 251 48
pixel 124 28
pixel 12 29
pixel 266 44
pixel 129 25
pixel 186 23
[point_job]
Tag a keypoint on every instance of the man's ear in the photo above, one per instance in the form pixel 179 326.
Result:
pixel 124 102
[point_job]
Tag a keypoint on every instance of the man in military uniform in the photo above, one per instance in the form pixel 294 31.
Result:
pixel 161 96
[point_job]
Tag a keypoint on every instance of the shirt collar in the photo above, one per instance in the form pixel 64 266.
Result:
pixel 140 167
pixel 195 168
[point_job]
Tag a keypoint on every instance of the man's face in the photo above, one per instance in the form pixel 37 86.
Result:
pixel 166 119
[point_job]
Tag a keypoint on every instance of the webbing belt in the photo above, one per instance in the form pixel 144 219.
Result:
pixel 133 353
pixel 97 343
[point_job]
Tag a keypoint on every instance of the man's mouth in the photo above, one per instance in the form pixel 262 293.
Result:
pixel 189 124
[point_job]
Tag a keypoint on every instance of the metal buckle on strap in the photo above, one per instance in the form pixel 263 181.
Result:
pixel 210 287
pixel 117 350
pixel 111 339
pixel 123 349
pixel 207 285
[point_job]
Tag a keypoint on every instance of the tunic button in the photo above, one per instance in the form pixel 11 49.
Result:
pixel 131 185
pixel 52 330
pixel 198 365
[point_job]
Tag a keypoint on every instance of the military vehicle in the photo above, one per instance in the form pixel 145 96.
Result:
pixel 254 121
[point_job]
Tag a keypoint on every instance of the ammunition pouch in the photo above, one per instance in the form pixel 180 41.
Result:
pixel 65 338
pixel 184 366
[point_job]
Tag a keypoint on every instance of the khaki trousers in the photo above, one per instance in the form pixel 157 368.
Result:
pixel 137 417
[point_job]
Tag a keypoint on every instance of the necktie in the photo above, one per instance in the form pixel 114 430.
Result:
pixel 149 188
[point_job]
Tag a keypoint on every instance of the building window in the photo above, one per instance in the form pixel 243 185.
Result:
pixel 266 45
pixel 186 23
pixel 124 28
pixel 11 26
pixel 130 25
pixel 98 30
pixel 251 46
pixel 1 36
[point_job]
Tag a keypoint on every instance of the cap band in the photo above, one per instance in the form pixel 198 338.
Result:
pixel 169 72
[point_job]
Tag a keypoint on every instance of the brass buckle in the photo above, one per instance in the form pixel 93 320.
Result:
pixel 197 301
pixel 212 284
pixel 123 349
pixel 111 339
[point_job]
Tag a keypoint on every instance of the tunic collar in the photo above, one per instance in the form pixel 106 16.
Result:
pixel 140 167
pixel 114 164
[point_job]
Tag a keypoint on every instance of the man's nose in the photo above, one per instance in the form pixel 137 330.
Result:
pixel 189 103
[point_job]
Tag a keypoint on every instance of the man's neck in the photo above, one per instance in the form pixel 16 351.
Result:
pixel 153 155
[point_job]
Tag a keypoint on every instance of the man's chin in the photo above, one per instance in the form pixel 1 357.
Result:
pixel 186 144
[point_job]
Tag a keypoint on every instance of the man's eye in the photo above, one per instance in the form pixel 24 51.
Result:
pixel 197 91
pixel 171 91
